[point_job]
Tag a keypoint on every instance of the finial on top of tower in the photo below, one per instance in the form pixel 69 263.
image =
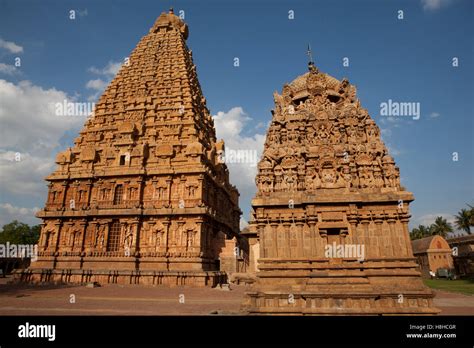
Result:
pixel 311 66
pixel 166 20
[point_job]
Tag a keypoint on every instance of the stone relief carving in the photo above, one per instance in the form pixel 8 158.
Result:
pixel 317 116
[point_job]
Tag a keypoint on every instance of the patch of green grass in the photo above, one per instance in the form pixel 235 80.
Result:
pixel 464 286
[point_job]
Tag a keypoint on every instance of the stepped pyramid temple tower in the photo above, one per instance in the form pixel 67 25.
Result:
pixel 329 226
pixel 142 197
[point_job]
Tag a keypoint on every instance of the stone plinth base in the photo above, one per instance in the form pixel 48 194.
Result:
pixel 127 277
pixel 310 303
pixel 321 287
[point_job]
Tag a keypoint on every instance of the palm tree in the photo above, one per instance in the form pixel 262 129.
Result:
pixel 419 232
pixel 441 226
pixel 471 212
pixel 415 233
pixel 425 231
pixel 463 220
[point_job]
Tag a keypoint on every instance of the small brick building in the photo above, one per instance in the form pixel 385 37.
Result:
pixel 464 256
pixel 432 253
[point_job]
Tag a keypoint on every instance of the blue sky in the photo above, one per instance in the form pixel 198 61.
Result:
pixel 408 60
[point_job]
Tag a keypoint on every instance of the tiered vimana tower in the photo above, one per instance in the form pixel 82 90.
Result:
pixel 142 198
pixel 329 226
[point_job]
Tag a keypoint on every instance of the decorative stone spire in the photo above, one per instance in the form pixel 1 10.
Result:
pixel 143 188
pixel 154 101
pixel 326 182
pixel 320 138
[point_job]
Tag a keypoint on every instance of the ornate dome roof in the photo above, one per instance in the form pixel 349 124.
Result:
pixel 299 83
pixel 302 83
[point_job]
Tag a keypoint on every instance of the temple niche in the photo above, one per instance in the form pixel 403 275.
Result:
pixel 327 183
pixel 141 197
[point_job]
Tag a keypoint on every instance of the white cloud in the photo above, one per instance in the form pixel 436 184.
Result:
pixel 393 151
pixel 433 5
pixel 97 84
pixel 393 122
pixel 428 219
pixel 27 115
pixel 230 126
pixel 111 69
pixel 243 223
pixel 24 177
pixel 7 69
pixel 9 212
pixel 108 72
pixel 10 46
pixel 30 127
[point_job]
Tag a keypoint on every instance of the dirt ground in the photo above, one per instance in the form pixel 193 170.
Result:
pixel 133 300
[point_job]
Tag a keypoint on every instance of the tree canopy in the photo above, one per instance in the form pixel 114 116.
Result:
pixel 463 221
pixel 19 233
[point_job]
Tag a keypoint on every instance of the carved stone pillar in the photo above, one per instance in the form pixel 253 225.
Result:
pixel 406 245
pixel 49 200
pixel 261 234
pixel 324 234
pixel 343 232
pixel 299 225
pixel 89 193
pixel 42 236
pixel 106 234
pixel 141 192
pixel 58 226
pixel 169 181
pixel 136 236
pixel 180 234
pixel 83 228
pixel 312 236
pixel 64 190
pixel 274 232
pixel 287 240
pixel 167 224
pixel 200 197
pixel 197 238
pixel 94 238
pixel 204 237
